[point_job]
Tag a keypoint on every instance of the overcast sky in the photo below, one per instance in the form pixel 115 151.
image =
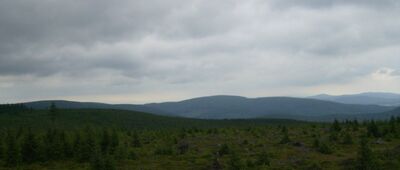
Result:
pixel 140 51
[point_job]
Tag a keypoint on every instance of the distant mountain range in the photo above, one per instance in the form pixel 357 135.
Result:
pixel 233 107
pixel 370 98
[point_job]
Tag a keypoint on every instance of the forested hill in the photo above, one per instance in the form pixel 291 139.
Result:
pixel 278 107
pixel 74 118
pixel 231 107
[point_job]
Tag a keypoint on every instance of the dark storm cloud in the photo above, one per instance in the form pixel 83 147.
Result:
pixel 180 46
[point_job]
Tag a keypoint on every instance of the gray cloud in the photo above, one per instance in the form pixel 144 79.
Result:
pixel 181 49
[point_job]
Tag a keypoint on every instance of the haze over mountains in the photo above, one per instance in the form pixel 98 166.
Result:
pixel 370 98
pixel 233 107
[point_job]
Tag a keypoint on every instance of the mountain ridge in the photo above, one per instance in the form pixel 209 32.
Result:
pixel 234 107
pixel 377 98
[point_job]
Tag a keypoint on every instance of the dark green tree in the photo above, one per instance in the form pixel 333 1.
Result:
pixel 66 145
pixel 183 147
pixel 2 145
pixel 392 125
pixel 285 139
pixel 348 140
pixel 12 156
pixel 87 146
pixel 235 163
pixel 109 163
pixel 135 140
pixel 263 159
pixel 114 141
pixel 324 148
pixel 336 126
pixel 29 148
pixel 53 145
pixel 216 165
pixel 373 129
pixel 77 144
pixel 53 112
pixel 223 150
pixel 333 136
pixel 316 143
pixel 105 142
pixel 365 157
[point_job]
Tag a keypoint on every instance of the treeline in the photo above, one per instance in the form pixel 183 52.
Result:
pixel 12 108
pixel 103 148
pixel 98 146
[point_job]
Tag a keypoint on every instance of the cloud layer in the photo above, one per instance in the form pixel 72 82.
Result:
pixel 154 50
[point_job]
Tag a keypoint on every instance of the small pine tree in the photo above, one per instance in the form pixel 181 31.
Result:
pixel 223 150
pixel 263 159
pixel 77 144
pixel 53 112
pixel 105 142
pixel 336 126
pixel 216 165
pixel 114 141
pixel 392 125
pixel 333 136
pixel 285 139
pixel 324 148
pixel 97 162
pixel 66 147
pixel 87 146
pixel 102 162
pixel 2 146
pixel 373 129
pixel 316 143
pixel 29 148
pixel 135 140
pixel 109 163
pixel 183 147
pixel 12 156
pixel 355 125
pixel 348 140
pixel 365 159
pixel 235 163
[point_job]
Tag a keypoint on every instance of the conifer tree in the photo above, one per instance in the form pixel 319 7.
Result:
pixel 392 125
pixel 336 126
pixel 348 140
pixel 373 129
pixel 365 159
pixel 215 164
pixel 324 148
pixel 54 147
pixel 109 163
pixel 105 141
pixel 2 146
pixel 263 159
pixel 114 141
pixel 29 148
pixel 135 140
pixel 77 144
pixel 285 139
pixel 235 163
pixel 65 145
pixel 53 112
pixel 88 146
pixel 223 150
pixel 12 156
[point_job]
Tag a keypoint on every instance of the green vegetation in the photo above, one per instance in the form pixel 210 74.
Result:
pixel 114 139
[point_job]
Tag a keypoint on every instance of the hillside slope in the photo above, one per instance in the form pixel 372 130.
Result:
pixel 217 107
pixel 75 118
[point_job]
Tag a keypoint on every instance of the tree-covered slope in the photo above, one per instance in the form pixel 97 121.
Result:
pixel 279 107
pixel 72 118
